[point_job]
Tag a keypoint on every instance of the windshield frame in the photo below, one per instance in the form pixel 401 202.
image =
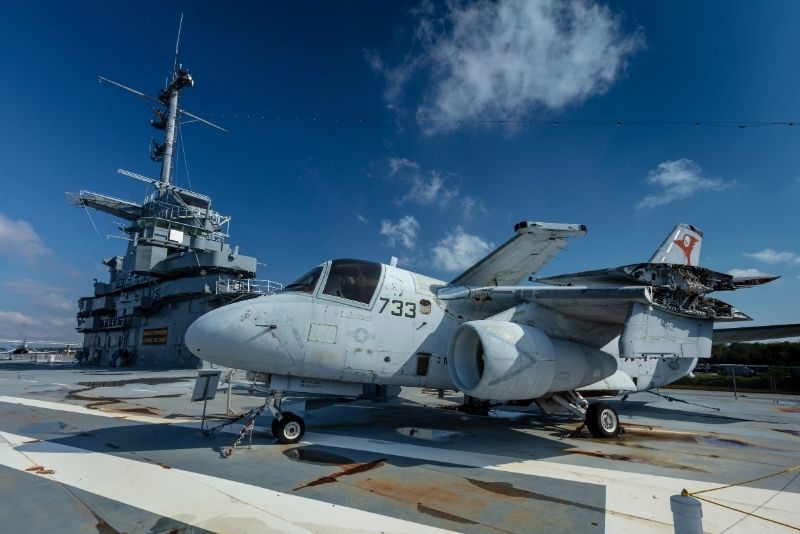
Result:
pixel 313 290
pixel 320 292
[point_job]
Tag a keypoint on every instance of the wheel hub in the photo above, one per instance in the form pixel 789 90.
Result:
pixel 291 430
pixel 608 420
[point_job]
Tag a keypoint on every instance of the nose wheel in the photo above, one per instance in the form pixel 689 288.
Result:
pixel 287 427
pixel 290 428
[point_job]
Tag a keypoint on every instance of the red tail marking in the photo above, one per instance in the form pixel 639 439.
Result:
pixel 686 244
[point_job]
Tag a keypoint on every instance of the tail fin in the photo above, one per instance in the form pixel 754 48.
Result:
pixel 682 246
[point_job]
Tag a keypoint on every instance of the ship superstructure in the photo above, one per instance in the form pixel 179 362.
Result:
pixel 178 263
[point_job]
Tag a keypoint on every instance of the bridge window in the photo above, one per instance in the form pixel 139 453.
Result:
pixel 353 280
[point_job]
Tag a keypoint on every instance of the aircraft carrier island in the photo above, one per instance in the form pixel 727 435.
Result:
pixel 177 266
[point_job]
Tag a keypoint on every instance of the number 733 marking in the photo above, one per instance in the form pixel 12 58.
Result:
pixel 399 308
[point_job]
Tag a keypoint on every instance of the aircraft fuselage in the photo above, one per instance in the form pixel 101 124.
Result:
pixel 399 337
pixel 396 335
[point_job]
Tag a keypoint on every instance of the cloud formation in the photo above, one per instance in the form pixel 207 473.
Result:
pixel 494 60
pixel 41 294
pixel 773 256
pixel 426 188
pixel 459 251
pixel 16 324
pixel 432 187
pixel 15 319
pixel 676 180
pixel 19 241
pixel 404 230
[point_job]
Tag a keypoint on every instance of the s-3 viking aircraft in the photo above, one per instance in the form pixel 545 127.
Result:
pixel 349 322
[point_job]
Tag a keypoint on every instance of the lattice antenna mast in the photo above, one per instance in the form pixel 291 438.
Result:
pixel 167 119
pixel 169 96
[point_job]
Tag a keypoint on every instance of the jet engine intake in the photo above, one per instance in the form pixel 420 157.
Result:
pixel 502 360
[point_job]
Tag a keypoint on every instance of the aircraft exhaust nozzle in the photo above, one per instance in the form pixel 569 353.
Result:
pixel 509 361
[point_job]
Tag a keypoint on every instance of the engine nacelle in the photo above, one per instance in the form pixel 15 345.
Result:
pixel 501 360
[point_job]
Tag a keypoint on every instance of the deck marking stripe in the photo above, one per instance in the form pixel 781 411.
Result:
pixel 74 408
pixel 204 501
pixel 628 495
pixel 631 498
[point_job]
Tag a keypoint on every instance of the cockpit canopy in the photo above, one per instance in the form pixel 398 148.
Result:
pixel 348 279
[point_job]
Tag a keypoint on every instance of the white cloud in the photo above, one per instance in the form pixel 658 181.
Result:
pixel 471 206
pixel 677 180
pixel 433 187
pixel 429 190
pixel 400 165
pixel 746 272
pixel 41 294
pixel 405 231
pixel 18 240
pixel 16 324
pixel 426 187
pixel 15 319
pixel 459 251
pixel 361 218
pixel 773 256
pixel 491 60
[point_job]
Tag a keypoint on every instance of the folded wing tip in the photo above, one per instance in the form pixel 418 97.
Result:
pixel 564 229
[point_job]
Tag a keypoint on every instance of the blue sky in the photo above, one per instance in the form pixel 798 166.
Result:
pixel 372 129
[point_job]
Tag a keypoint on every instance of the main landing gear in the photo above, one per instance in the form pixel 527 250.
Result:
pixel 602 420
pixel 286 427
pixel 599 417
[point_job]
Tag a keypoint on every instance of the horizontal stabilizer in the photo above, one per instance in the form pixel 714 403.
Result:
pixel 752 281
pixel 756 333
pixel 534 244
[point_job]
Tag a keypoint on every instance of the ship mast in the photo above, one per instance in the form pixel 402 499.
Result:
pixel 169 97
pixel 180 79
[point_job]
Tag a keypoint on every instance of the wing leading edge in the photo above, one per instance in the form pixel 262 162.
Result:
pixel 756 333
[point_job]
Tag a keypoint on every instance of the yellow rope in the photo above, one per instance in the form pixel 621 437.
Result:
pixel 751 514
pixel 686 493
pixel 788 470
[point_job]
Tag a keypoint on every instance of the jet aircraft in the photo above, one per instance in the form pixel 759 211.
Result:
pixel 351 322
pixel 22 347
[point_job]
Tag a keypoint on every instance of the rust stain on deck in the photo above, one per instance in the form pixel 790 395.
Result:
pixel 40 470
pixel 348 469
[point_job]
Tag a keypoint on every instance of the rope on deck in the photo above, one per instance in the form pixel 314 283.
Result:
pixel 686 493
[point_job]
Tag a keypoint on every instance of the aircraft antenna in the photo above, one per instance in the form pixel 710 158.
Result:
pixel 177 44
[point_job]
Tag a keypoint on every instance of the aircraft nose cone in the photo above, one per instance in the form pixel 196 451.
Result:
pixel 205 337
pixel 231 336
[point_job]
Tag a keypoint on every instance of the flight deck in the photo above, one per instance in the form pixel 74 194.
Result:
pixel 120 450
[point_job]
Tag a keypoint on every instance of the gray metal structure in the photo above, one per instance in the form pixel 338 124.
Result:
pixel 177 265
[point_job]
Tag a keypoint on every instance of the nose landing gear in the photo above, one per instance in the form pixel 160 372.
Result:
pixel 287 427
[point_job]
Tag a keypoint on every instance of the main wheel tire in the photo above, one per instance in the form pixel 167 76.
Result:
pixel 275 427
pixel 602 420
pixel 289 429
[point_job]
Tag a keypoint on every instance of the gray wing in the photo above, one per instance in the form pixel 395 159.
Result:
pixel 756 333
pixel 534 244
